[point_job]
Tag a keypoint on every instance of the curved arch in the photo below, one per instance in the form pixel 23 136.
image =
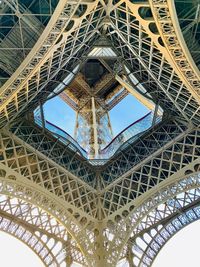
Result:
pixel 43 226
pixel 168 201
pixel 149 210
pixel 30 193
pixel 41 47
pixel 30 239
pixel 163 61
pixel 160 207
pixel 167 22
pixel 165 194
pixel 145 250
pixel 39 58
pixel 166 61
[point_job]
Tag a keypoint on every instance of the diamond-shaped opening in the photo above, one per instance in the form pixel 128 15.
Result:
pixel 99 107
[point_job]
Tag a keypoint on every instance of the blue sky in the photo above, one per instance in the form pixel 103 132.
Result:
pixel 122 115
pixel 60 114
pixel 126 112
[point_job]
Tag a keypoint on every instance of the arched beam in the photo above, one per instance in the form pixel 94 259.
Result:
pixel 141 35
pixel 42 224
pixel 152 168
pixel 14 186
pixel 168 25
pixel 125 223
pixel 33 165
pixel 30 239
pixel 155 238
pixel 170 200
pixel 36 70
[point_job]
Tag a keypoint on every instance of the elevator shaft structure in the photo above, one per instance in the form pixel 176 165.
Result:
pixel 121 211
pixel 93 128
pixel 97 89
pixel 92 94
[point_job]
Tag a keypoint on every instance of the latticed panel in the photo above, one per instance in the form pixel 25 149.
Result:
pixel 49 59
pixel 145 146
pixel 155 169
pixel 158 156
pixel 55 150
pixel 161 224
pixel 145 51
pixel 33 167
pixel 39 230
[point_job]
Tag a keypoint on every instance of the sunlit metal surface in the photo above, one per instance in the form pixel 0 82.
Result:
pixel 99 213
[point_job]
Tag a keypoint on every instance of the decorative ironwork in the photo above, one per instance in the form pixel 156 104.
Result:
pixel 99 211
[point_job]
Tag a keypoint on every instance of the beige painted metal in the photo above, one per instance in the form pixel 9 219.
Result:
pixel 43 52
pixel 165 15
pixel 95 135
pixel 147 103
pixel 175 52
pixel 99 231
pixel 63 206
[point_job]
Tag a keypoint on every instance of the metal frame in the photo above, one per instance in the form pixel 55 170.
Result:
pixel 101 210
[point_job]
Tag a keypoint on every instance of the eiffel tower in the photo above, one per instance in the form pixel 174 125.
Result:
pixel 64 200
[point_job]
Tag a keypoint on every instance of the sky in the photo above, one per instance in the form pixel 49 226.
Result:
pixel 182 250
pixel 126 112
pixel 122 115
pixel 15 253
pixel 60 114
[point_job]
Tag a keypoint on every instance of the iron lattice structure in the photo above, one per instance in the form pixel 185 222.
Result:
pixel 71 210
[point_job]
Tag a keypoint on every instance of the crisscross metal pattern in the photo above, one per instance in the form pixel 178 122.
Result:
pixel 95 214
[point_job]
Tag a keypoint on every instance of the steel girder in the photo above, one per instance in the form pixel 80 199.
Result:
pixel 150 62
pixel 143 212
pixel 36 167
pixel 172 215
pixel 150 142
pixel 55 150
pixel 103 212
pixel 168 25
pixel 40 65
pixel 159 72
pixel 156 237
pixel 76 44
pixel 158 155
pixel 30 239
pixel 38 172
pixel 20 29
pixel 26 204
pixel 174 150
pixel 38 230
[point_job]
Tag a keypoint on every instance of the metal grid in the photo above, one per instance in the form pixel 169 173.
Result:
pixel 100 209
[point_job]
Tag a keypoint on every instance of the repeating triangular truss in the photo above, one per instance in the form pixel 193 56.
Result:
pixel 96 211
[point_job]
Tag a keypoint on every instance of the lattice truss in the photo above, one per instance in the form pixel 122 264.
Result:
pixel 69 210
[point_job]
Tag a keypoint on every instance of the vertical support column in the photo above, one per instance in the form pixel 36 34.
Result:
pixel 100 250
pixel 42 115
pixel 109 125
pixel 93 128
pixel 155 114
pixel 130 256
pixel 69 261
pixel 95 134
pixel 76 126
